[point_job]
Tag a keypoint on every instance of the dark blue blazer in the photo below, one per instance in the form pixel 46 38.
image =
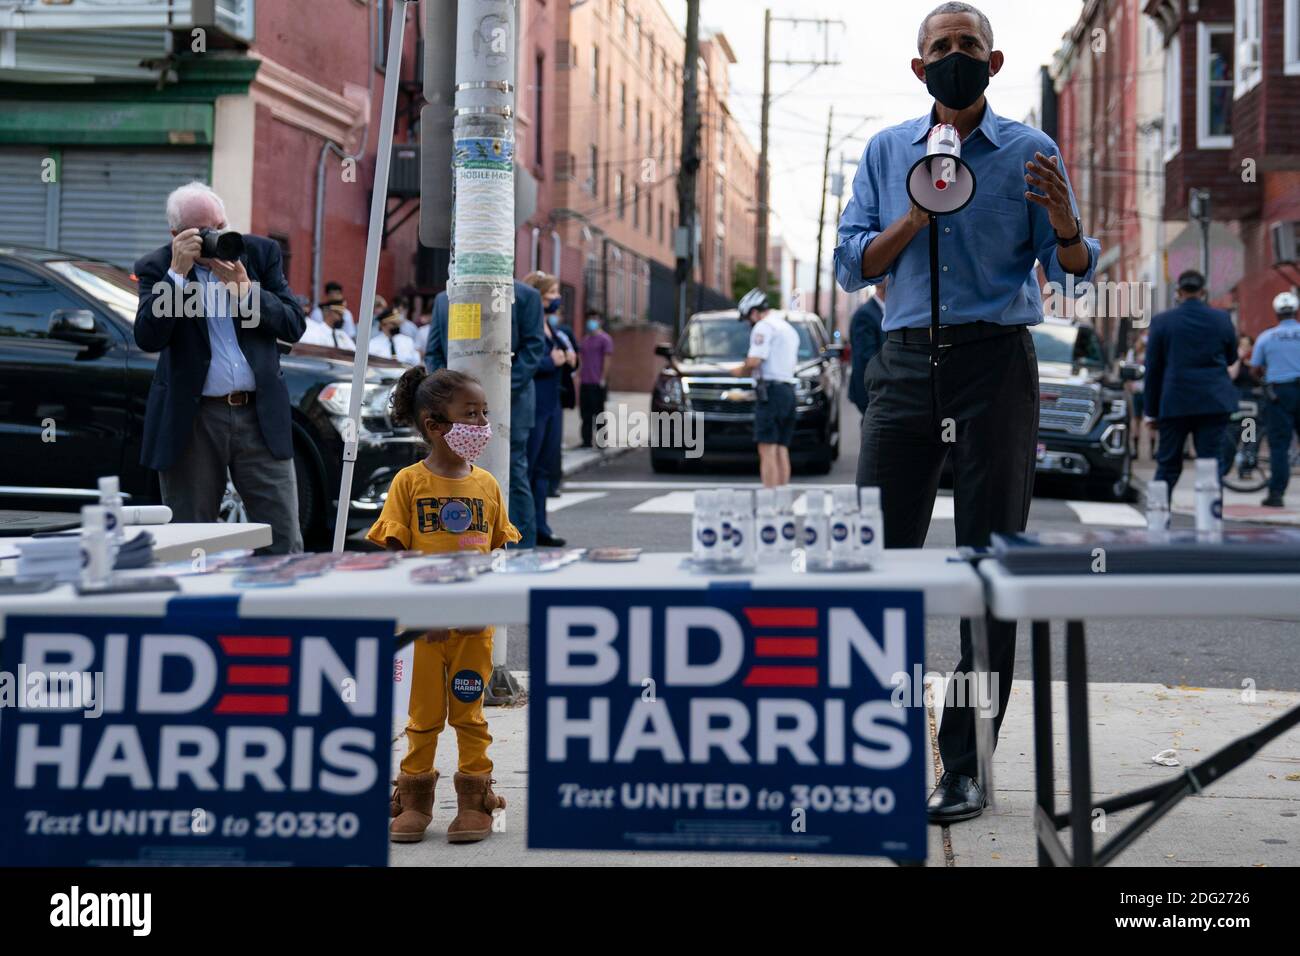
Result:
pixel 527 340
pixel 1189 349
pixel 184 353
pixel 866 338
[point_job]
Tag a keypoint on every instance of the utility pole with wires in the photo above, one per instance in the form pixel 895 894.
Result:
pixel 764 177
pixel 821 217
pixel 684 240
pixel 837 190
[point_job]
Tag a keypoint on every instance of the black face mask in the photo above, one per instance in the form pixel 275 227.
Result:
pixel 957 80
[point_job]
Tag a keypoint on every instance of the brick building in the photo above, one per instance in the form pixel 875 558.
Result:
pixel 129 103
pixel 1232 120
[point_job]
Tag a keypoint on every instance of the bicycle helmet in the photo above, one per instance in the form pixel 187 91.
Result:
pixel 1286 303
pixel 753 299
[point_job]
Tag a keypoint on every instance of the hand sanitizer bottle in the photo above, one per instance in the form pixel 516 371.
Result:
pixel 817 531
pixel 1209 499
pixel 706 528
pixel 844 525
pixel 871 525
pixel 767 527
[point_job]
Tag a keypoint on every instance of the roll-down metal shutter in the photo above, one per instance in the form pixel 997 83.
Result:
pixel 113 202
pixel 24 198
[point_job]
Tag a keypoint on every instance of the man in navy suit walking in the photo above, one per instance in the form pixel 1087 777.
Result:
pixel 217 402
pixel 1188 389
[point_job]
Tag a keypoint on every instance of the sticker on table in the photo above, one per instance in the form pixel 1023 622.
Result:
pixel 196 739
pixel 465 321
pixel 778 721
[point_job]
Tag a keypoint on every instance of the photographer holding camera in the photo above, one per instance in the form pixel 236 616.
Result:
pixel 217 401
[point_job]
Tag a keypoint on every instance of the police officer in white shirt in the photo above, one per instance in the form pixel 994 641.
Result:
pixel 389 342
pixel 773 351
pixel 328 330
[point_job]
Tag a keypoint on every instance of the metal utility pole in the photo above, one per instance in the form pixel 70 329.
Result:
pixel 760 253
pixel 684 240
pixel 764 174
pixel 837 190
pixel 1198 208
pixel 821 219
pixel 378 202
pixel 480 287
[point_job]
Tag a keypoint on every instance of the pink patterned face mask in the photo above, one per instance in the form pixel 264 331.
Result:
pixel 468 441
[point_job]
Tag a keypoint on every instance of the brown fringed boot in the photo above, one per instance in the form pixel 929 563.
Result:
pixel 475 802
pixel 412 806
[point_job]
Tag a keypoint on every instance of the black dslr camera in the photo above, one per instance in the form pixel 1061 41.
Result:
pixel 225 244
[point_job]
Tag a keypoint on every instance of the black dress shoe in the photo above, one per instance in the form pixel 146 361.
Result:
pixel 1273 501
pixel 549 541
pixel 957 797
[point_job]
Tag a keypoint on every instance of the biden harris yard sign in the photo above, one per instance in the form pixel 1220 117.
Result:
pixel 726 719
pixel 207 739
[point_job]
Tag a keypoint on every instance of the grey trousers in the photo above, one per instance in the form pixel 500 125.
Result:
pixel 225 438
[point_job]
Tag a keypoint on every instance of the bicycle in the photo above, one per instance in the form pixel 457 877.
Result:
pixel 1248 468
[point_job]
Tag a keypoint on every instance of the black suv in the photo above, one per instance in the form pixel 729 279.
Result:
pixel 73 385
pixel 1084 412
pixel 698 380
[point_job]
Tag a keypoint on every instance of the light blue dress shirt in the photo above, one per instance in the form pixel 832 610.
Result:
pixel 229 370
pixel 1278 351
pixel 986 252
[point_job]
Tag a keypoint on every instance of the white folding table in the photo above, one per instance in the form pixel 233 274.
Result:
pixel 176 542
pixel 1075 598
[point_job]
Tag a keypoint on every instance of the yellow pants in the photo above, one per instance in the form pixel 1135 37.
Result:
pixel 449 678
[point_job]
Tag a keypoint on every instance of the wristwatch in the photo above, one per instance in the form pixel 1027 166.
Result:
pixel 1073 240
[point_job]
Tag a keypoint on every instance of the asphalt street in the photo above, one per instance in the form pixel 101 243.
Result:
pixel 623 502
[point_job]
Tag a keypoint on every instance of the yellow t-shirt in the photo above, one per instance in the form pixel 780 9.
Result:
pixel 436 514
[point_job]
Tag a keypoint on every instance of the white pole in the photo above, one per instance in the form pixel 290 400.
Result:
pixel 378 203
pixel 480 288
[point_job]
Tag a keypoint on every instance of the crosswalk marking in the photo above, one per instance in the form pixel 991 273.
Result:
pixel 569 498
pixel 1098 512
pixel 680 500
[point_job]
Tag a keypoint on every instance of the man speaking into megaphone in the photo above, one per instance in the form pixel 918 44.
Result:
pixel 1000 201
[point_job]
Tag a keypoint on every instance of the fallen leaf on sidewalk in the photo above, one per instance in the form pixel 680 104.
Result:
pixel 1293 777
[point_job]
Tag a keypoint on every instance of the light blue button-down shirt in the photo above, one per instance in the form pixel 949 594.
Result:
pixel 228 371
pixel 1278 351
pixel 986 252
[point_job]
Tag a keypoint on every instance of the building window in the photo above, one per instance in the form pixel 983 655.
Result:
pixel 540 124
pixel 1213 86
pixel 1291 27
pixel 636 121
pixel 593 163
pixel 1173 132
pixel 622 106
pixel 661 222
pixel 595 72
pixel 618 194
pixel 622 9
pixel 636 205
pixel 1249 71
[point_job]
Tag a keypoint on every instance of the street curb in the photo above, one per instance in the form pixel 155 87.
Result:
pixel 598 456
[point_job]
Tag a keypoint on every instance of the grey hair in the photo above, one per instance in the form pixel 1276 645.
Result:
pixel 986 28
pixel 182 199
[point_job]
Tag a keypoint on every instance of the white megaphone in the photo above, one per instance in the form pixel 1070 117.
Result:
pixel 940 183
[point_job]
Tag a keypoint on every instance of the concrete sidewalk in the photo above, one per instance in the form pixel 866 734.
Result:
pixel 1237 505
pixel 1251 818
pixel 575 458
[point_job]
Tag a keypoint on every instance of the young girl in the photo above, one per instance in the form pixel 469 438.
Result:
pixel 445 503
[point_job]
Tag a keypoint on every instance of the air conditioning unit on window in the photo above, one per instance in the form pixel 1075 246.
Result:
pixel 1285 250
pixel 1248 56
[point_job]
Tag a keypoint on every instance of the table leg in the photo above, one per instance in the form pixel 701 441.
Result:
pixel 985 739
pixel 1044 774
pixel 1076 690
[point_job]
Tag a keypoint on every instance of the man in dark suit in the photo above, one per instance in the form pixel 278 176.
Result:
pixel 865 339
pixel 527 343
pixel 1188 390
pixel 217 402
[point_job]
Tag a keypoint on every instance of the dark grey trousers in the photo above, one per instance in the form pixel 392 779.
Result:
pixel 983 413
pixel 228 438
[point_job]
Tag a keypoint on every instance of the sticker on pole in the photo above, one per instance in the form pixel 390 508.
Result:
pixel 195 740
pixel 727 719
pixel 484 240
pixel 464 321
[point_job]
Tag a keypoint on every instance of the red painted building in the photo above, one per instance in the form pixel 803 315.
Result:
pixel 1233 102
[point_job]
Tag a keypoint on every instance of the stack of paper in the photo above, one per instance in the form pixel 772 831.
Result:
pixel 1137 551
pixel 54 557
